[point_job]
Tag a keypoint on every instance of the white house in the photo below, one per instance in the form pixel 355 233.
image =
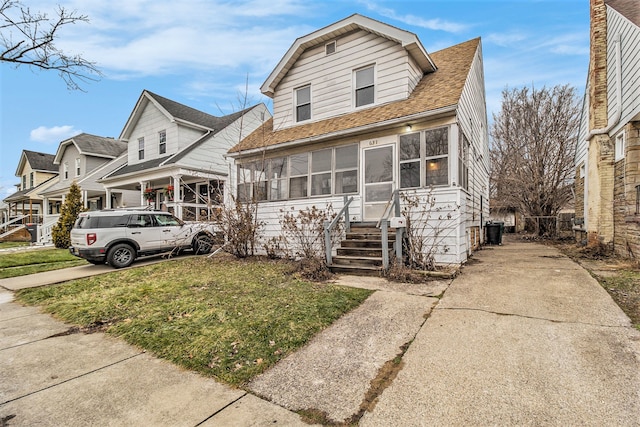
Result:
pixel 175 160
pixel 361 109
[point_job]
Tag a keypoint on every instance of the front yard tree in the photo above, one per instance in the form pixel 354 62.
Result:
pixel 533 141
pixel 69 212
pixel 27 38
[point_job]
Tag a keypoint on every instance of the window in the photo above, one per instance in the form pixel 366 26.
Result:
pixel 321 172
pixel 24 182
pixel 78 166
pixel 410 160
pixel 65 170
pixel 141 148
pixel 364 86
pixel 436 156
pixel 463 162
pixel 303 103
pixel 278 178
pixel 637 199
pixel 582 170
pixel 299 175
pixel 32 180
pixel 162 142
pixel 330 48
pixel 346 172
pixel 620 151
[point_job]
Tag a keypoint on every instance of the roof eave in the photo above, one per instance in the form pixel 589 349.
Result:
pixel 347 132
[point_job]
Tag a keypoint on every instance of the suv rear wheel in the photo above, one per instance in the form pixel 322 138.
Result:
pixel 202 244
pixel 121 255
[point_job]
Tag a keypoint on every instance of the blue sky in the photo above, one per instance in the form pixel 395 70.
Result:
pixel 202 53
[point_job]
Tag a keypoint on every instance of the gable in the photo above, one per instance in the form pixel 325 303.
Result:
pixel 435 93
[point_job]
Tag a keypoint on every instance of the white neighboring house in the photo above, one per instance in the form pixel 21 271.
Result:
pixel 362 109
pixel 83 159
pixel 175 161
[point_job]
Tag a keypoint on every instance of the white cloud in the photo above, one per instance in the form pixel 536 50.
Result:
pixel 417 21
pixel 53 135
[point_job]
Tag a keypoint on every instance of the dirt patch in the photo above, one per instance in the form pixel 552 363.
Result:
pixel 620 277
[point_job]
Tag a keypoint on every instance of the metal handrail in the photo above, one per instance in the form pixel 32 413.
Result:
pixel 329 225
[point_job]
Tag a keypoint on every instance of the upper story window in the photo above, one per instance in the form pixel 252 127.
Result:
pixel 410 160
pixel 162 142
pixel 141 148
pixel 24 182
pixel 620 151
pixel 463 161
pixel 65 170
pixel 78 166
pixel 303 103
pixel 365 87
pixel 426 151
pixel 437 156
pixel 32 180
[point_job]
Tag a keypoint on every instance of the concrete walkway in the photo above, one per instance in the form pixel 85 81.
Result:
pixel 523 336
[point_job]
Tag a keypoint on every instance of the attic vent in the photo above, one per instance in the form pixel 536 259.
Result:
pixel 330 48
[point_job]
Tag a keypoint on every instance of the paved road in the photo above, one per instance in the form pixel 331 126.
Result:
pixel 523 337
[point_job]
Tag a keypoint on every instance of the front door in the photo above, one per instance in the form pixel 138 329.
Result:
pixel 378 180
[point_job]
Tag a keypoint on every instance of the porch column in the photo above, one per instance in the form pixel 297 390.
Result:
pixel 45 208
pixel 107 195
pixel 85 199
pixel 143 186
pixel 177 195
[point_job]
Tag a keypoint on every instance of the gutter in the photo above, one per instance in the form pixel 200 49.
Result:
pixel 616 118
pixel 346 132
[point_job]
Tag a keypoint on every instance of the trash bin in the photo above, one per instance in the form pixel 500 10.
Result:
pixel 495 229
pixel 33 230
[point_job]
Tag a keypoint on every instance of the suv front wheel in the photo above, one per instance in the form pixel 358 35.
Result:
pixel 202 244
pixel 121 255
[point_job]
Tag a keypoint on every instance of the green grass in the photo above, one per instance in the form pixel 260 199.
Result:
pixel 225 318
pixel 20 263
pixel 5 245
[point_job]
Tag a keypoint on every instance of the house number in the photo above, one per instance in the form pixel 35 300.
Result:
pixel 373 142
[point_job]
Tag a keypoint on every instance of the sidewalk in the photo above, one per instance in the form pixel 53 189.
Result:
pixel 523 337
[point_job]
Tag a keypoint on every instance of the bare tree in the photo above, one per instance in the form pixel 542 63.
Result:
pixel 27 38
pixel 533 142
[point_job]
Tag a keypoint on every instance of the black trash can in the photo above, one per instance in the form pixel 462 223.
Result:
pixel 33 230
pixel 495 229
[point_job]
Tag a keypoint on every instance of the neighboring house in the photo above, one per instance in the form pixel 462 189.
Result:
pixel 36 172
pixel 361 109
pixel 84 159
pixel 175 160
pixel 607 184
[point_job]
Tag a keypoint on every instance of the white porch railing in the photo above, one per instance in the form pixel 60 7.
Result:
pixel 44 230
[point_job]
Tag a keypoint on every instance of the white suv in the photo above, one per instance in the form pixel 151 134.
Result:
pixel 118 237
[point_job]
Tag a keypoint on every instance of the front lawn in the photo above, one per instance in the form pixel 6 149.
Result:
pixel 226 318
pixel 20 263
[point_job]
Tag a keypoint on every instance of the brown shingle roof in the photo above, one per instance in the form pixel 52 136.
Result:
pixel 436 90
pixel 628 8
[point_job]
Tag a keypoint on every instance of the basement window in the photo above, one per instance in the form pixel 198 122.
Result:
pixel 637 199
pixel 620 151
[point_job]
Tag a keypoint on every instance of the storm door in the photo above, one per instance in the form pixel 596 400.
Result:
pixel 378 180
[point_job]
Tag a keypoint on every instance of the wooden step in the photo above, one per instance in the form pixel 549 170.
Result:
pixel 364 243
pixel 368 236
pixel 356 270
pixel 377 251
pixel 360 261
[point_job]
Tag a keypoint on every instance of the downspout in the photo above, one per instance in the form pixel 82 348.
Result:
pixel 616 118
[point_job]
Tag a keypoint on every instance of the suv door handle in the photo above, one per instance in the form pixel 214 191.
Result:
pixel 136 232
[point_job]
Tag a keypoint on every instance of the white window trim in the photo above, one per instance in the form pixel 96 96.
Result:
pixel 375 86
pixel 161 142
pixel 141 150
pixel 326 48
pixel 620 149
pixel 77 164
pixel 65 170
pixel 295 103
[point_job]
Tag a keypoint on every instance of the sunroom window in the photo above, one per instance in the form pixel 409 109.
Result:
pixel 346 175
pixel 437 156
pixel 410 160
pixel 321 172
pixel 299 175
pixel 278 178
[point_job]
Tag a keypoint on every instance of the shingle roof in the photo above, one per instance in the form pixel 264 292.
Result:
pixel 98 145
pixel 41 161
pixel 149 164
pixel 436 90
pixel 628 8
pixel 186 113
